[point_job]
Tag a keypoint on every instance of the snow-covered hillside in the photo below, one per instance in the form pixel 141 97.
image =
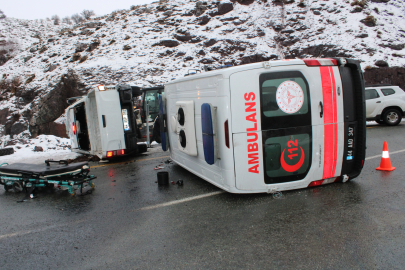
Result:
pixel 151 44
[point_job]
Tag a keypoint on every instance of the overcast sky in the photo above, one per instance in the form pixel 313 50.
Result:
pixel 41 9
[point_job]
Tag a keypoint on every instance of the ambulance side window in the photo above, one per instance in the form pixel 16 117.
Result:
pixel 285 100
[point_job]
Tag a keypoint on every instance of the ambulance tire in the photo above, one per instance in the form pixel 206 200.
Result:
pixel 392 117
pixel 6 151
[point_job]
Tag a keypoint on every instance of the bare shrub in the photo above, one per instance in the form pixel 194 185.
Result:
pixel 76 18
pixel 84 58
pixel 87 14
pixel 10 85
pixel 2 15
pixel 361 3
pixel 55 19
pixel 67 20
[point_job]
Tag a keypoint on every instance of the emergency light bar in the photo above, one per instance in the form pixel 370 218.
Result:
pixel 101 88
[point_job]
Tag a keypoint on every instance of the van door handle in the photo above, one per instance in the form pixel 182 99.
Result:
pixel 321 113
pixel 378 102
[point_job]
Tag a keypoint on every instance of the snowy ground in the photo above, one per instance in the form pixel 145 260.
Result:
pixel 53 148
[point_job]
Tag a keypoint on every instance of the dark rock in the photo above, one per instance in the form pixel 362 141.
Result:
pixel 210 42
pixel 28 58
pixel 224 8
pixel 17 128
pixel 188 58
pixel 195 40
pixel 277 27
pixel 369 21
pixel 206 61
pixel 318 51
pixel 33 49
pixel 381 63
pixel 200 8
pixel 179 54
pixel 203 20
pixel 254 59
pixel 363 35
pixel 51 40
pixel 38 149
pixel 184 38
pixel 316 12
pixel 356 9
pixel 380 1
pixel 289 31
pixel 52 55
pixel 167 43
pixel 51 67
pixel 396 47
pixel 80 47
pixel 244 2
pixel 93 45
pixel 385 75
pixel 201 52
pixel 53 103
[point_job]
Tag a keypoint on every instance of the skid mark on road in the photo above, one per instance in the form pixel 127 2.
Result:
pixel 179 201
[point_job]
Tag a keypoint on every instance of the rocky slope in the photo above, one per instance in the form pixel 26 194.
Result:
pixel 43 64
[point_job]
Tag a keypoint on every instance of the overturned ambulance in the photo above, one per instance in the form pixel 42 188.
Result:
pixel 269 126
pixel 103 123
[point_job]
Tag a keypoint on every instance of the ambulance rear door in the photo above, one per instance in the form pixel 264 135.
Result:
pixel 110 120
pixel 278 126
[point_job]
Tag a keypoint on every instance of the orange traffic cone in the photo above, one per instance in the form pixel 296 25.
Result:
pixel 385 164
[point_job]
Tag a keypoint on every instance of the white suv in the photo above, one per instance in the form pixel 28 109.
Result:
pixel 385 104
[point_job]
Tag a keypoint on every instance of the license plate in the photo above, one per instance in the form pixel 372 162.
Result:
pixel 125 119
pixel 350 142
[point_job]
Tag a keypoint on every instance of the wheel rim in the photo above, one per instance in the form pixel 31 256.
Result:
pixel 392 117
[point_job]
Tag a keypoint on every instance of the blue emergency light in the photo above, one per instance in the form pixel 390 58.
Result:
pixel 208 133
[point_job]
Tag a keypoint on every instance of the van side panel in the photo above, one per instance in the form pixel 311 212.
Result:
pixel 213 90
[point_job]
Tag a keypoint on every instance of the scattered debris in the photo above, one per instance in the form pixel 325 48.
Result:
pixel 179 182
pixel 38 149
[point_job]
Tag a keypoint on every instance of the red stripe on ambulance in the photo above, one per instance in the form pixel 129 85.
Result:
pixel 252 137
pixel 330 122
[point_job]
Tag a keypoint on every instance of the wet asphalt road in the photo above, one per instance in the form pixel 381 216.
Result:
pixel 130 223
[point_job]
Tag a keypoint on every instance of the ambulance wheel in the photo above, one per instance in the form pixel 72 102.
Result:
pixel 18 186
pixel 6 188
pixel 392 117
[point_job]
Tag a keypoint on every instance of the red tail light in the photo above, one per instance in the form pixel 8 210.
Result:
pixel 226 133
pixel 109 153
pixel 122 152
pixel 320 62
pixel 74 128
pixel 315 183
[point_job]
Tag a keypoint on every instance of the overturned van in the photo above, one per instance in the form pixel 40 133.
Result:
pixel 270 126
pixel 102 123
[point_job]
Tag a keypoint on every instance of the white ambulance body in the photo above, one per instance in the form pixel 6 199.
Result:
pixel 270 126
pixel 102 123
